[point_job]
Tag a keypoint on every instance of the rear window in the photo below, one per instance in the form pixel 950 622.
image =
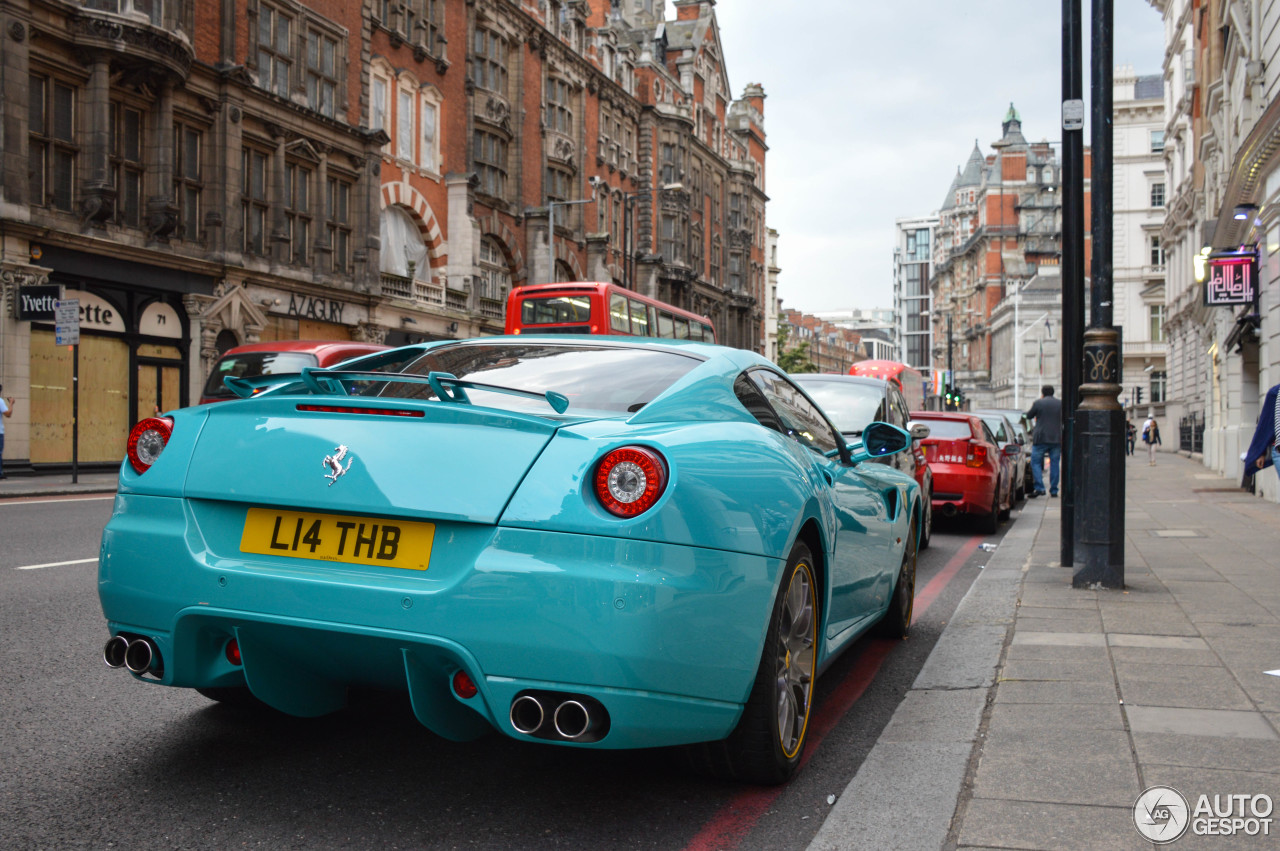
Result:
pixel 595 378
pixel 946 429
pixel 251 364
pixel 553 310
pixel 852 407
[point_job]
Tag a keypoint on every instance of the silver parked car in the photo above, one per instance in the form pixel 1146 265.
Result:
pixel 1008 427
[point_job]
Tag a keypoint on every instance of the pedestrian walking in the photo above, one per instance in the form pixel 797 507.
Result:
pixel 1262 449
pixel 1046 439
pixel 1130 436
pixel 6 411
pixel 1151 437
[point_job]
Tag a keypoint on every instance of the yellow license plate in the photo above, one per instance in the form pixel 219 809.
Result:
pixel 335 537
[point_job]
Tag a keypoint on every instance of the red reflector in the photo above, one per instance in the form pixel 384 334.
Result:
pixel 233 652
pixel 343 409
pixel 463 687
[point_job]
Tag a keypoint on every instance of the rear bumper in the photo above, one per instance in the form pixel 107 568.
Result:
pixel 962 490
pixel 666 637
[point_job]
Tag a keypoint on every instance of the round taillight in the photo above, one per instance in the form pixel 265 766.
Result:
pixel 147 440
pixel 463 686
pixel 233 652
pixel 630 480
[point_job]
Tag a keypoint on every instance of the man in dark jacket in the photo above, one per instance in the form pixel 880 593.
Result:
pixel 1046 438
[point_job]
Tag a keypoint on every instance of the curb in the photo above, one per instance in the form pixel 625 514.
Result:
pixel 905 794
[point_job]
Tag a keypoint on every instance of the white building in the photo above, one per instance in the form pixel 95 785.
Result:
pixel 771 296
pixel 1222 164
pixel 1139 195
pixel 912 265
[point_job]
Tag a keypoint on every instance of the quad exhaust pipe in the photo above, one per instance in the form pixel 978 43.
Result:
pixel 562 717
pixel 139 655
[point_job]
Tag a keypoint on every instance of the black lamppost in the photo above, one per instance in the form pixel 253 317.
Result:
pixel 628 216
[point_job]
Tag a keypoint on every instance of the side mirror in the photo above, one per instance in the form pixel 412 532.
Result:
pixel 1013 450
pixel 918 431
pixel 879 440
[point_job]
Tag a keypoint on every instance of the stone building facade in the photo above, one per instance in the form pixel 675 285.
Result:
pixel 202 174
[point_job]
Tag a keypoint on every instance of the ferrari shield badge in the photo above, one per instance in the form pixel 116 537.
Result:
pixel 333 463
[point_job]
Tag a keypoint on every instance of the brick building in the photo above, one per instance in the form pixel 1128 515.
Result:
pixel 832 347
pixel 999 226
pixel 204 174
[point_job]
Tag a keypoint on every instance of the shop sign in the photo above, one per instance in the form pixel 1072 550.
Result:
pixel 309 307
pixel 97 313
pixel 36 303
pixel 1232 278
pixel 160 320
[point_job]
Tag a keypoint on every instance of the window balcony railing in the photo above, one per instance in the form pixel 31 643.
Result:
pixel 456 299
pixel 491 308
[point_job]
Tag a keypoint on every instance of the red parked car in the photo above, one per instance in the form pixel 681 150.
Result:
pixel 971 475
pixel 278 357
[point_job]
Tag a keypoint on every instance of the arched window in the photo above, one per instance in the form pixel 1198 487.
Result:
pixel 495 277
pixel 403 251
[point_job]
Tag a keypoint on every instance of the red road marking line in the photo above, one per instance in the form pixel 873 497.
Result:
pixel 727 828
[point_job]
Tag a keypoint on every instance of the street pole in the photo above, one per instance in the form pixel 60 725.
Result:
pixel 951 372
pixel 1099 527
pixel 1072 260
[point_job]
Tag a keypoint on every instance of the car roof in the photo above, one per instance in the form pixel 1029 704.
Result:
pixel 944 415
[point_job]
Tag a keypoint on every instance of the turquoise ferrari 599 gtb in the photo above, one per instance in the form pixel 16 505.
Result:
pixel 589 543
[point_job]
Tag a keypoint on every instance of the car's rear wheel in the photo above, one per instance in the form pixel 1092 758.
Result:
pixel 1005 512
pixel 768 742
pixel 896 622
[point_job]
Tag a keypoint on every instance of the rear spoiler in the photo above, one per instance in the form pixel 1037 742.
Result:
pixel 447 387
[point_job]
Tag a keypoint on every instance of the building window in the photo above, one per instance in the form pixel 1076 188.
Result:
pixel 430 143
pixel 253 201
pixel 489 62
pixel 735 272
pixel 1157 141
pixel 495 277
pixel 322 72
pixel 52 154
pixel 404 124
pixel 1157 323
pixel 127 167
pixel 616 232
pixel 559 111
pixel 669 163
pixel 297 210
pixel 559 184
pixel 378 109
pixel 337 198
pixel 1159 381
pixel 274 49
pixel 491 163
pixel 1157 251
pixel 735 210
pixel 669 239
pixel 187 184
pixel 1157 195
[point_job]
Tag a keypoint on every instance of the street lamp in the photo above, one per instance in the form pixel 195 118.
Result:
pixel 551 229
pixel 628 215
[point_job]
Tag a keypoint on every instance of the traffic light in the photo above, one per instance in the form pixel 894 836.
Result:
pixel 1137 395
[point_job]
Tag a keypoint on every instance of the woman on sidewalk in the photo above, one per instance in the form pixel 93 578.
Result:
pixel 1151 437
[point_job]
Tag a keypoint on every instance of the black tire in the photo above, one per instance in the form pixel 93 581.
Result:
pixel 990 523
pixel 926 530
pixel 896 622
pixel 767 744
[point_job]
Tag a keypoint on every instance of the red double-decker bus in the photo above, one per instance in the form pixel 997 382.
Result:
pixel 585 307
pixel 908 380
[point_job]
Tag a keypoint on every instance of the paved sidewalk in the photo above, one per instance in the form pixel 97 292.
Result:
pixel 57 484
pixel 1066 704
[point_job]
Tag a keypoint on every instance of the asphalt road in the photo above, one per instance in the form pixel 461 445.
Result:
pixel 95 759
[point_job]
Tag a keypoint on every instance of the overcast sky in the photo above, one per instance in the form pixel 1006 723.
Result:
pixel 871 106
